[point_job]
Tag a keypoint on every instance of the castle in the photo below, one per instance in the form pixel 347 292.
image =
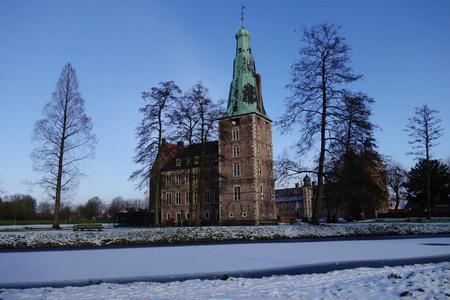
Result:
pixel 236 186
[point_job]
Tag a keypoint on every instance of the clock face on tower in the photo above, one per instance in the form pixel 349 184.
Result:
pixel 249 93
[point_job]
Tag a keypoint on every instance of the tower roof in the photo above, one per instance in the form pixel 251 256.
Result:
pixel 245 95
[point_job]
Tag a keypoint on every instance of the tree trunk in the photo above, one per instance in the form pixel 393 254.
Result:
pixel 157 193
pixel 60 165
pixel 191 191
pixel 316 212
pixel 397 201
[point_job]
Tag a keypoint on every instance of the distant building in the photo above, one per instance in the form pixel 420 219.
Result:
pixel 295 203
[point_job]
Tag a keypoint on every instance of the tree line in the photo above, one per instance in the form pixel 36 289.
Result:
pixel 20 208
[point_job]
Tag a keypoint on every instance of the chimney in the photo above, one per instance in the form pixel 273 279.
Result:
pixel 297 186
pixel 314 183
pixel 163 141
pixel 180 144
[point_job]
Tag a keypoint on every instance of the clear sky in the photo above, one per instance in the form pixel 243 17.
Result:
pixel 122 48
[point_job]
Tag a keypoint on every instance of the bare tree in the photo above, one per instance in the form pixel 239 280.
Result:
pixel 150 134
pixel 65 140
pixel 208 112
pixel 195 117
pixel 317 85
pixel 424 130
pixel 185 117
pixel 396 177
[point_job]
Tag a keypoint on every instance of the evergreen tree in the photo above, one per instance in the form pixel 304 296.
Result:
pixel 417 188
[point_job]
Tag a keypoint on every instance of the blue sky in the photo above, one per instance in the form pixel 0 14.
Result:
pixel 122 48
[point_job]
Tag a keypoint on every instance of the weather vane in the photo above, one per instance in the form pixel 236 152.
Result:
pixel 242 15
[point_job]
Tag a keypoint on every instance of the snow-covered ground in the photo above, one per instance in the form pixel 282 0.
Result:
pixel 140 265
pixel 430 281
pixel 44 237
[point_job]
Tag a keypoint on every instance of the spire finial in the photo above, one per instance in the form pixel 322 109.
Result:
pixel 242 15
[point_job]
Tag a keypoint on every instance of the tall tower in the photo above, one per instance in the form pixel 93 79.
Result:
pixel 247 194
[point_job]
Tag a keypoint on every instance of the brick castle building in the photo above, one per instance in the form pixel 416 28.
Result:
pixel 238 185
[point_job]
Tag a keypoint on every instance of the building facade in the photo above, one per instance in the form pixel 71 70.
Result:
pixel 185 192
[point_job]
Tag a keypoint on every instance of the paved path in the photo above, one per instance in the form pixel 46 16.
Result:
pixel 168 263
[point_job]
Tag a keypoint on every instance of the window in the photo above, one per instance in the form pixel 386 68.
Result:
pixel 196 160
pixel 187 198
pixel 231 215
pixel 235 134
pixel 168 216
pixel 206 214
pixel 195 197
pixel 244 214
pixel 236 169
pixel 236 151
pixel 178 198
pixel 187 178
pixel 178 178
pixel 258 132
pixel 169 199
pixel 207 200
pixel 178 162
pixel 237 192
pixel 195 176
pixel 168 179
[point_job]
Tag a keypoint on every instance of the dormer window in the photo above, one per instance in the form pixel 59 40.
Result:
pixel 196 160
pixel 178 162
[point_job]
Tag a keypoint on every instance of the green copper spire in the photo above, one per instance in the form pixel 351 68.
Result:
pixel 245 90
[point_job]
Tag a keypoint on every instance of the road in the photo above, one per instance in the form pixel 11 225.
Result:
pixel 163 263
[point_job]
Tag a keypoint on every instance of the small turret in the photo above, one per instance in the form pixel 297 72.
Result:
pixel 306 181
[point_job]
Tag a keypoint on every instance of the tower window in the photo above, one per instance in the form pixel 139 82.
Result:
pixel 237 192
pixel 236 151
pixel 235 134
pixel 236 169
